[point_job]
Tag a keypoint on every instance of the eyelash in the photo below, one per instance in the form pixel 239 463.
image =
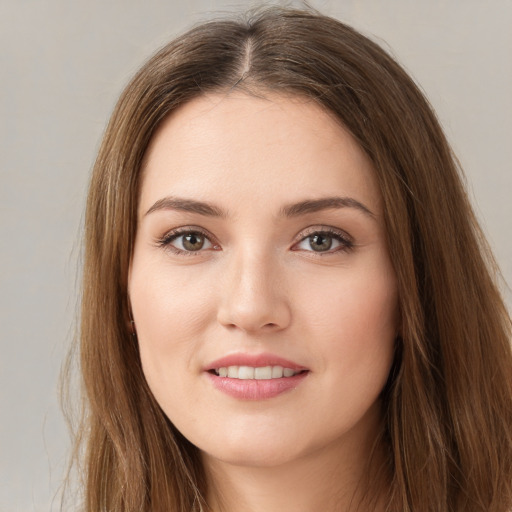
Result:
pixel 345 241
pixel 166 241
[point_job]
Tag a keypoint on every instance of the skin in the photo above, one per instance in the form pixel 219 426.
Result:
pixel 258 285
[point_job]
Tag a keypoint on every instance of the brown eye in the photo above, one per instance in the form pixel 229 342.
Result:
pixel 193 241
pixel 325 241
pixel 320 242
pixel 187 242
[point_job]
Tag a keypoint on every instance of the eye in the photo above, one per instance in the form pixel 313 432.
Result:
pixel 325 241
pixel 186 241
pixel 191 242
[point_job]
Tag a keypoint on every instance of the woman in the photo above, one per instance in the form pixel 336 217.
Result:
pixel 287 302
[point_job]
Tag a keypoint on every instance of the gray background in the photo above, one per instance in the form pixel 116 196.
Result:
pixel 63 64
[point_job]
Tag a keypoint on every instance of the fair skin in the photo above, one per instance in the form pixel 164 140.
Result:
pixel 261 240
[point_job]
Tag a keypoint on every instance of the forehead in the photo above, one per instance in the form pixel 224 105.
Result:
pixel 239 146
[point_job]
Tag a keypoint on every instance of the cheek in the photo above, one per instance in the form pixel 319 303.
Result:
pixel 353 304
pixel 170 314
pixel 168 297
pixel 354 320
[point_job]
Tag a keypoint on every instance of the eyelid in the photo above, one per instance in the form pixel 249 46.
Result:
pixel 166 240
pixel 346 240
pixel 323 229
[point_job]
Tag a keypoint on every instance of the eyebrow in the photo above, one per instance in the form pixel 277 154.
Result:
pixel 187 205
pixel 290 210
pixel 326 203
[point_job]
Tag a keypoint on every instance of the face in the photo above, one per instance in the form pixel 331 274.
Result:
pixel 262 291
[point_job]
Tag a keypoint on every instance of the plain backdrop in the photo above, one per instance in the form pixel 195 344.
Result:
pixel 62 66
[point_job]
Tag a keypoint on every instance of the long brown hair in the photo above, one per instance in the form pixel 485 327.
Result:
pixel 448 401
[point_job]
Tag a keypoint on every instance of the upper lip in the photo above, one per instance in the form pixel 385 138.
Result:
pixel 254 360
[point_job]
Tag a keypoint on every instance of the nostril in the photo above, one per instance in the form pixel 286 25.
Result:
pixel 257 314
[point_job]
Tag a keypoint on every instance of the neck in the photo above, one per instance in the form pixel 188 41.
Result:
pixel 333 478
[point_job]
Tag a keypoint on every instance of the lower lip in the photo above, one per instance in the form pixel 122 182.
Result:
pixel 254 389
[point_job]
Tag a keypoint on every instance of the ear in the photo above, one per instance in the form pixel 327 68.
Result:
pixel 130 325
pixel 130 322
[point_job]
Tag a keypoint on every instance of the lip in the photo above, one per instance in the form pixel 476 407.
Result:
pixel 256 360
pixel 253 389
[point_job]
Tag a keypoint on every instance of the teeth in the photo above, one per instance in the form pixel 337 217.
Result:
pixel 259 373
pixel 277 372
pixel 245 372
pixel 264 372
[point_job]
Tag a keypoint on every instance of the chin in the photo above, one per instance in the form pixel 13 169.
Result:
pixel 251 447
pixel 258 455
pixel 277 443
pixel 265 448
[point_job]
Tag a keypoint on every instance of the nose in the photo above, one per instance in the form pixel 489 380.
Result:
pixel 253 297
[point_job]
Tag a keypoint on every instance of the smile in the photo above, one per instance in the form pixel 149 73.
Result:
pixel 255 376
pixel 258 373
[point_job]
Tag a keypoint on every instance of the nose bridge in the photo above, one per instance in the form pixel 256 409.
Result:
pixel 253 297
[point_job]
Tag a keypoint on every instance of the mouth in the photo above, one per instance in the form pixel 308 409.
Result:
pixel 256 373
pixel 255 377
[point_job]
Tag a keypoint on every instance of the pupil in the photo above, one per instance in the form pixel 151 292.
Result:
pixel 320 243
pixel 193 242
